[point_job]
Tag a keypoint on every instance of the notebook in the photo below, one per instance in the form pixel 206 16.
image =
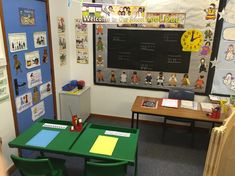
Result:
pixel 43 138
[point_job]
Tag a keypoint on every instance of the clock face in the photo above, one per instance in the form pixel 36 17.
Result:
pixel 192 40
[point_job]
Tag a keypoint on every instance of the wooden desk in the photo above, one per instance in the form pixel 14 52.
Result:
pixel 180 113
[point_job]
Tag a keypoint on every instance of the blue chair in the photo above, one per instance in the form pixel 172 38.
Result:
pixel 105 168
pixel 180 94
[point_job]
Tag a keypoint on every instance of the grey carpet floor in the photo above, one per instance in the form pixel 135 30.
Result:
pixel 173 158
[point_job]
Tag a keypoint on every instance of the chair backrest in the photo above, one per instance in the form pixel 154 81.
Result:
pixel 106 169
pixel 181 94
pixel 33 167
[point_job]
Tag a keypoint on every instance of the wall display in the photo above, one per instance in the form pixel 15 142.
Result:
pixel 3 84
pixel 38 111
pixel 3 62
pixel 45 90
pixel 32 59
pixel 81 34
pixel 61 25
pixel 168 49
pixel 160 20
pixel 34 78
pixel 62 40
pixel 23 102
pixel 40 39
pixel 17 42
pixel 27 16
pixel 112 13
pixel 224 77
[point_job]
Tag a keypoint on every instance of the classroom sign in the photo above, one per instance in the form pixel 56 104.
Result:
pixel 23 102
pixel 160 20
pixel 38 111
pixel 34 78
pixel 109 13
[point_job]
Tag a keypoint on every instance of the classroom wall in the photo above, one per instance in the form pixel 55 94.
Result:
pixel 7 130
pixel 62 73
pixel 105 100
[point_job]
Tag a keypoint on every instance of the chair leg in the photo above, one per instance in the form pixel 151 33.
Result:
pixel 192 131
pixel 163 129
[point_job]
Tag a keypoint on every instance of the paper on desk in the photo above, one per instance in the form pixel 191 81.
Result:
pixel 104 145
pixel 43 138
pixel 173 103
pixel 189 104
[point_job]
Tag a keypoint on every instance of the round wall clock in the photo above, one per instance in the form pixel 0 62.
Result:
pixel 192 40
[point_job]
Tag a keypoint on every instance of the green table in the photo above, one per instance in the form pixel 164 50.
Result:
pixel 60 144
pixel 80 143
pixel 125 150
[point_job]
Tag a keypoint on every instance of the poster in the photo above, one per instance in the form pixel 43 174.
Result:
pixel 17 42
pixel 45 90
pixel 34 78
pixel 23 102
pixel 32 59
pixel 3 62
pixel 160 20
pixel 62 40
pixel 27 16
pixel 38 110
pixel 61 25
pixel 40 39
pixel 3 84
pixel 109 13
pixel 224 77
pixel 81 33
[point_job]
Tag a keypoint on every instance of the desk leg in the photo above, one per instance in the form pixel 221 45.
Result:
pixel 132 119
pixel 137 120
pixel 136 163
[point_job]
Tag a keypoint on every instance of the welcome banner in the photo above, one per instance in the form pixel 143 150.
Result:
pixel 107 13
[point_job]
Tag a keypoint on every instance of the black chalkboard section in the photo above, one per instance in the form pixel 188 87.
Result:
pixel 147 50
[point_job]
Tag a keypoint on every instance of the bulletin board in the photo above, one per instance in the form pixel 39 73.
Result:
pixel 154 55
pixel 224 77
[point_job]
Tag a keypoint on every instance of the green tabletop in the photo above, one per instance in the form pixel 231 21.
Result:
pixel 60 144
pixel 125 149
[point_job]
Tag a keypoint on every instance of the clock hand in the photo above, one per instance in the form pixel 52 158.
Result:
pixel 195 38
pixel 192 37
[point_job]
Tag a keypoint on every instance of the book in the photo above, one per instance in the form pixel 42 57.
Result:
pixel 172 103
pixel 149 103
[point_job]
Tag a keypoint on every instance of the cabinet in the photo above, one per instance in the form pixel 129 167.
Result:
pixel 79 103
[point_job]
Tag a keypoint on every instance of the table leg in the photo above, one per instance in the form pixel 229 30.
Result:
pixel 132 119
pixel 136 163
pixel 137 121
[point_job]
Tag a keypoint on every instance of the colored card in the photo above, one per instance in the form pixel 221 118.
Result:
pixel 27 16
pixel 23 102
pixel 45 90
pixel 104 145
pixel 32 59
pixel 40 39
pixel 43 138
pixel 34 78
pixel 38 111
pixel 17 42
